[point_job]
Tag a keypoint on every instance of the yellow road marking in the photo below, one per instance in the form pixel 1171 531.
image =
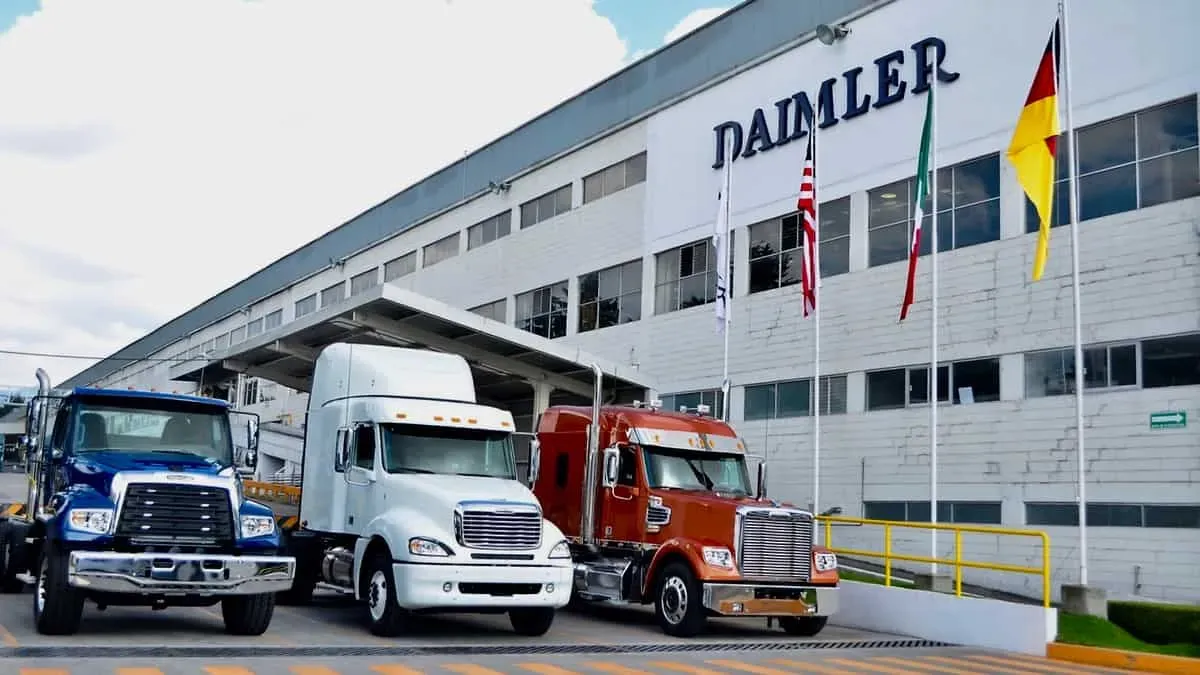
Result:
pixel 684 668
pixel 470 669
pixel 957 661
pixel 748 667
pixel 924 663
pixel 395 669
pixel 44 671
pixel 875 668
pixel 8 638
pixel 313 670
pixel 1025 660
pixel 1026 665
pixel 546 669
pixel 227 670
pixel 615 668
pixel 811 667
pixel 139 671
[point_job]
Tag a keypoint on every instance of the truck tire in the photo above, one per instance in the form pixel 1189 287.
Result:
pixel 303 585
pixel 12 558
pixel 802 626
pixel 386 617
pixel 531 621
pixel 57 606
pixel 248 614
pixel 678 601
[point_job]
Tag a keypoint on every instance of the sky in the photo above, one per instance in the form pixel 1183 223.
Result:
pixel 155 152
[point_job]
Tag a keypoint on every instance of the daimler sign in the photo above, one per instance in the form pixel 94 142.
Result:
pixel 853 98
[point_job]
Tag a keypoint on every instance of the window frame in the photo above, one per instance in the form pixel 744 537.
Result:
pixel 500 224
pixel 338 288
pixel 305 306
pixel 1066 514
pixel 551 312
pixel 951 391
pixel 408 261
pixel 481 310
pixel 594 304
pixel 666 305
pixel 439 247
pixel 951 506
pixel 828 386
pixel 559 197
pixel 1068 373
pixel 716 395
pixel 371 276
pixel 607 175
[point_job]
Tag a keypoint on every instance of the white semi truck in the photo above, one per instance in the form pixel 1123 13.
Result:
pixel 410 499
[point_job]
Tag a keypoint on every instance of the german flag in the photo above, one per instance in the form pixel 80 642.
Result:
pixel 1033 146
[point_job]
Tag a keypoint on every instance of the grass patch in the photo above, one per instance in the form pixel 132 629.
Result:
pixel 1092 631
pixel 854 575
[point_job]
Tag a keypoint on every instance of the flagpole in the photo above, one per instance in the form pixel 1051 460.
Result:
pixel 816 377
pixel 1081 458
pixel 933 324
pixel 725 211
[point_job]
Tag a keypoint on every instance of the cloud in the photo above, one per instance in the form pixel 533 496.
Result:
pixel 692 21
pixel 155 152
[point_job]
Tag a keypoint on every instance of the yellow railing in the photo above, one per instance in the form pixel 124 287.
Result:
pixel 272 492
pixel 957 561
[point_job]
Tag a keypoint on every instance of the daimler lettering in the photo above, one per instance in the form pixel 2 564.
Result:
pixel 794 115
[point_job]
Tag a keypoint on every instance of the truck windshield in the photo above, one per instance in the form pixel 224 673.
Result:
pixel 411 448
pixel 133 428
pixel 696 470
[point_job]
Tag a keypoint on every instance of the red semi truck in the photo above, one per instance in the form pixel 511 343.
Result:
pixel 666 514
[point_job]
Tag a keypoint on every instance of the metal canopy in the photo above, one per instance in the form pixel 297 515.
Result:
pixel 505 360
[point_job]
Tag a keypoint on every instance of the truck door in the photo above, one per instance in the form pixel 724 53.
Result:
pixel 623 507
pixel 360 476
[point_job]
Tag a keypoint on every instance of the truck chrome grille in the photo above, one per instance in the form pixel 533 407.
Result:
pixel 516 526
pixel 775 544
pixel 157 513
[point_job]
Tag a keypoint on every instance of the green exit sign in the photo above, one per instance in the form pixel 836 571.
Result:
pixel 1171 419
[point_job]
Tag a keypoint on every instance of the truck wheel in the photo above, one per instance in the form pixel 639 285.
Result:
pixel 678 603
pixel 802 626
pixel 531 621
pixel 57 606
pixel 303 585
pixel 385 614
pixel 248 614
pixel 12 559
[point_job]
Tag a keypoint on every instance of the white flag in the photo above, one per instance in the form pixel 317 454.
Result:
pixel 720 242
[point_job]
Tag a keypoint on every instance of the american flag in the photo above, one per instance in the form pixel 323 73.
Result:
pixel 806 204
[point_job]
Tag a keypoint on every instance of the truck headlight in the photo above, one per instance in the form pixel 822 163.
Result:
pixel 560 550
pixel 825 561
pixel 96 521
pixel 257 526
pixel 718 556
pixel 428 547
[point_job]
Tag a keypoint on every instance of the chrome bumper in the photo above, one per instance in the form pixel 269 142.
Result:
pixel 757 600
pixel 180 573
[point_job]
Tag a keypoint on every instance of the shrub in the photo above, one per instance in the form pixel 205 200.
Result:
pixel 1156 623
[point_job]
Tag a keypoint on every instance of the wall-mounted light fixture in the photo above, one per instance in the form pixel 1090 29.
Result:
pixel 829 34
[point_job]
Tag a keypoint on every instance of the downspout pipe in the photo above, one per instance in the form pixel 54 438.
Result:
pixel 591 469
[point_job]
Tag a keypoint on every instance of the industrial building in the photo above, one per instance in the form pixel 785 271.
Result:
pixel 589 231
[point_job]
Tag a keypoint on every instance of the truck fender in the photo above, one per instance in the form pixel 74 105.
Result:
pixel 393 528
pixel 675 548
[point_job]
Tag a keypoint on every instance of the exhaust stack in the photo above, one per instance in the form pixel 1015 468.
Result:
pixel 587 523
pixel 33 461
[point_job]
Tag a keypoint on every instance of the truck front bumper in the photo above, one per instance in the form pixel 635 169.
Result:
pixel 770 599
pixel 179 573
pixel 428 586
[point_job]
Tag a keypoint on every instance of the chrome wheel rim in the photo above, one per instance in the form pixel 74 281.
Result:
pixel 377 595
pixel 40 593
pixel 673 600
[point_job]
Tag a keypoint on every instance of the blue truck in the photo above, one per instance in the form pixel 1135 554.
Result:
pixel 135 498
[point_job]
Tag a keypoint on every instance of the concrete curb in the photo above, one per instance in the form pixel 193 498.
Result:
pixel 1120 658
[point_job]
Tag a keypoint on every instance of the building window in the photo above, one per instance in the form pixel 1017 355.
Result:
pixel 489 230
pixel 543 311
pixel 237 335
pixel 610 296
pixel 250 391
pixel 333 294
pixel 961 512
pixel 713 398
pixel 545 207
pixel 398 267
pixel 614 178
pixel 253 328
pixel 1171 361
pixel 492 310
pixel 793 398
pixel 222 341
pixel 273 320
pixel 440 250
pixel 306 305
pixel 1145 158
pixel 365 281
pixel 776 247
pixel 1052 373
pixel 687 276
pixel 968 207
pixel 1066 514
pixel 977 379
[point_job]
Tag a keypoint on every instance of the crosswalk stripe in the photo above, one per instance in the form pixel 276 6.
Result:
pixel 313 670
pixel 228 670
pixel 1022 660
pixel 957 661
pixel 546 669
pixel 684 668
pixel 615 668
pixel 395 669
pixel 925 662
pixel 1028 666
pixel 810 667
pixel 470 669
pixel 44 671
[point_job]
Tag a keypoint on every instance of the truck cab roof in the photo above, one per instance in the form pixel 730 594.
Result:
pixel 617 420
pixel 92 392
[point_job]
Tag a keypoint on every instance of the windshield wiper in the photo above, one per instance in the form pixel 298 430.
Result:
pixel 412 469
pixel 480 475
pixel 700 475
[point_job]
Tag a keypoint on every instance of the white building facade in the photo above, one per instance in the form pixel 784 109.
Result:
pixel 606 246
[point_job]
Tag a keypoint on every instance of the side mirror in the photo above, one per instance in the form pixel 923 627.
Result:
pixel 251 459
pixel 252 434
pixel 535 460
pixel 341 454
pixel 761 482
pixel 612 466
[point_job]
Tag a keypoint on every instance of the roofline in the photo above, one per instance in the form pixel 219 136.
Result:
pixel 150 395
pixel 163 336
